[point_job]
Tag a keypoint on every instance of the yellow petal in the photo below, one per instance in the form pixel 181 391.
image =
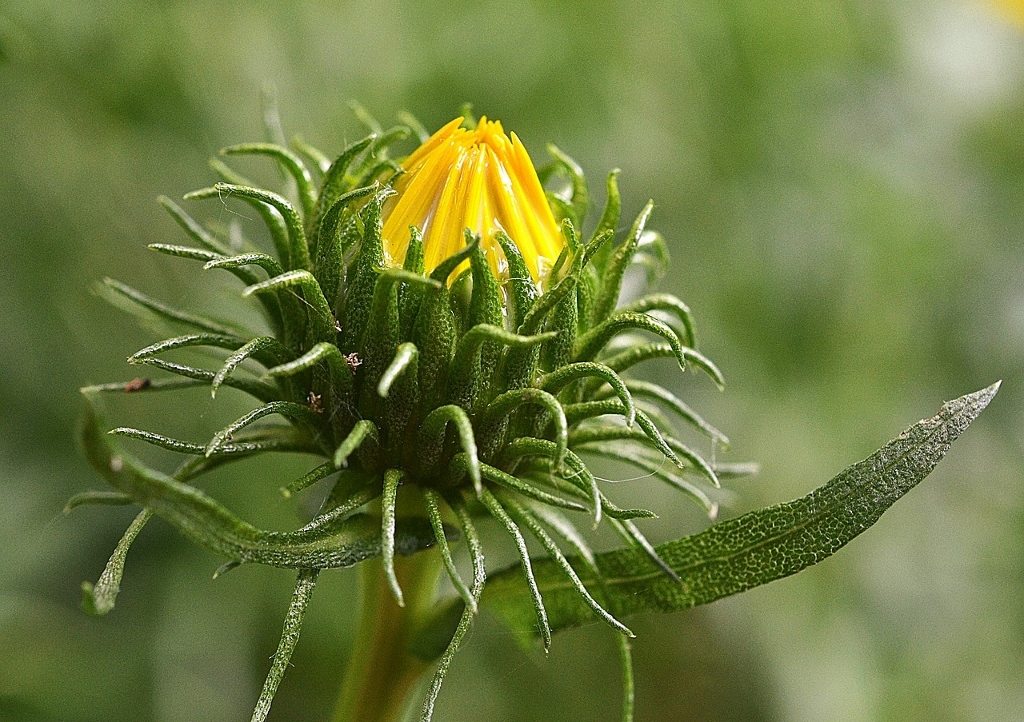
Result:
pixel 477 179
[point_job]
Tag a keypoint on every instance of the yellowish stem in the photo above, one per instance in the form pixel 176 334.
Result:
pixel 382 671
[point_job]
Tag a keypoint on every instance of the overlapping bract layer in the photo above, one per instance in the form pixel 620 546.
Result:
pixel 479 391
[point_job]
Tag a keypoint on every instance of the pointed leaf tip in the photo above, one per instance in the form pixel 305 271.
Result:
pixel 751 550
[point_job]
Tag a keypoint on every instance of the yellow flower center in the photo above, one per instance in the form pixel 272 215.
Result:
pixel 476 179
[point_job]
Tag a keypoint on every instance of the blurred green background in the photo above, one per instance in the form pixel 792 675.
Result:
pixel 842 188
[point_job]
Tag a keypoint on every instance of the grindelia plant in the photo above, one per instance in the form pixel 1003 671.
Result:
pixel 449 339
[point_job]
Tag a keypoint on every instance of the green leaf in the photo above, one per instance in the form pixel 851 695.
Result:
pixel 304 586
pixel 339 542
pixel 259 389
pixel 392 479
pixel 749 551
pixel 99 498
pixel 99 598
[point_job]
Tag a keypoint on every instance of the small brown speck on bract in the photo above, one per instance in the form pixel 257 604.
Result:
pixel 137 384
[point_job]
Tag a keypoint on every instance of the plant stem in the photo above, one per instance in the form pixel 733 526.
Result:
pixel 382 670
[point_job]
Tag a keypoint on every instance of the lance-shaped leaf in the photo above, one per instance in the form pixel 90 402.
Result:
pixel 339 542
pixel 754 549
pixel 99 598
pixel 304 586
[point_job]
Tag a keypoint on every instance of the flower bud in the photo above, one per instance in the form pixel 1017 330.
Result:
pixel 478 179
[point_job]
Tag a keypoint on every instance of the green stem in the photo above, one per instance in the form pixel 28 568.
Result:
pixel 382 670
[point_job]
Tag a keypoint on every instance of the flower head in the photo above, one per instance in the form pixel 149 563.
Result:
pixel 480 399
pixel 478 179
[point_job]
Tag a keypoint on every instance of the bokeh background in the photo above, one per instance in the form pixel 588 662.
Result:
pixel 842 187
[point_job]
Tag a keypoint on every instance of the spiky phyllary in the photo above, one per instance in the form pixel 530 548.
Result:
pixel 436 329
